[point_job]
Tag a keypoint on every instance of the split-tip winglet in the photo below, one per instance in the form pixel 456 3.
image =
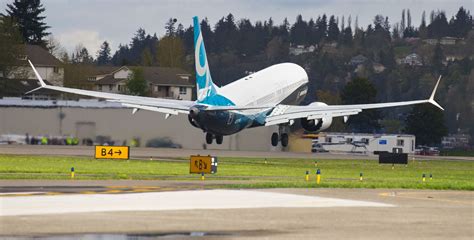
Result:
pixel 431 99
pixel 42 83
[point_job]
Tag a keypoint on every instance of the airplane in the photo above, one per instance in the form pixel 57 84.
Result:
pixel 265 98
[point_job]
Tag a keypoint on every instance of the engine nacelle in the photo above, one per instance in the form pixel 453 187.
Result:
pixel 315 125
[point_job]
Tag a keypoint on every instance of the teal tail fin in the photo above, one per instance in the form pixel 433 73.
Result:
pixel 206 89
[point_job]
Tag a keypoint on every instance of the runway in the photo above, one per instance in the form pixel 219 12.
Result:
pixel 177 210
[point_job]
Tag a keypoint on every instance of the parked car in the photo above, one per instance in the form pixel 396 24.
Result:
pixel 318 148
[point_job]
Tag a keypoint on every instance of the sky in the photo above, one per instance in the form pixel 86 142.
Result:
pixel 90 22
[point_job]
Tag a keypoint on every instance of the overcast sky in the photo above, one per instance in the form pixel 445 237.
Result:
pixel 90 22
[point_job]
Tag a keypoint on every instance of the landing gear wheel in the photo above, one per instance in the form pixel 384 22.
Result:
pixel 219 139
pixel 209 138
pixel 284 139
pixel 274 139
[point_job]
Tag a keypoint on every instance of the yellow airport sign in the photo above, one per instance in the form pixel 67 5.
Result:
pixel 202 164
pixel 112 152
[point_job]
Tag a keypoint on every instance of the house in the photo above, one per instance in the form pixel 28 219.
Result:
pixel 162 82
pixel 452 58
pixel 411 59
pixel 431 41
pixel 378 68
pixel 448 41
pixel 20 78
pixel 49 67
pixel 300 49
pixel 357 60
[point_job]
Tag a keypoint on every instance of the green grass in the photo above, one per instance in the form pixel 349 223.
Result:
pixel 252 172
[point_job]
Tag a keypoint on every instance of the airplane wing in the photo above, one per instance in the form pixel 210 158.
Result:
pixel 285 113
pixel 167 106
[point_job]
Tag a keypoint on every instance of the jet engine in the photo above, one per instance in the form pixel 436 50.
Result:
pixel 316 124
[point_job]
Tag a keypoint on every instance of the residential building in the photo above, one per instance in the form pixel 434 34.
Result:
pixel 162 82
pixel 300 49
pixel 49 67
pixel 378 68
pixel 411 59
pixel 357 60
pixel 20 78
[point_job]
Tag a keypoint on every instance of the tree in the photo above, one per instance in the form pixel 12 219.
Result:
pixel 103 55
pixel 10 47
pixel 136 83
pixel 333 29
pixel 170 52
pixel 170 28
pixel 426 122
pixel 462 23
pixel 147 58
pixel 54 47
pixel 438 58
pixel 26 14
pixel 361 91
pixel 81 55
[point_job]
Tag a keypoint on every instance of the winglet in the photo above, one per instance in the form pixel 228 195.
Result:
pixel 42 83
pixel 431 99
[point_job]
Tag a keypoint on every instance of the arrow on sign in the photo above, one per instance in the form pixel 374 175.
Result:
pixel 119 152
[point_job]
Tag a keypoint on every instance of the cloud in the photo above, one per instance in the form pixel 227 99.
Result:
pixel 88 38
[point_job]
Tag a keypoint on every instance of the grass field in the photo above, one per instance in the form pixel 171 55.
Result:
pixel 251 172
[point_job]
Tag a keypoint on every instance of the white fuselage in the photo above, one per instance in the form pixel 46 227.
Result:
pixel 268 86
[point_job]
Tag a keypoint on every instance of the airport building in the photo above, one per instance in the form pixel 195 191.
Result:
pixel 94 119
pixel 364 142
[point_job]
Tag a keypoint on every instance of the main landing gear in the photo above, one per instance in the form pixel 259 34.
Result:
pixel 210 137
pixel 281 136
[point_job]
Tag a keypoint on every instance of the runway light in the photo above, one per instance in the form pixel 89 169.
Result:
pixel 316 163
pixel 424 177
pixel 72 172
pixel 318 176
pixel 307 176
pixel 202 177
pixel 431 176
pixel 360 177
pixel 265 161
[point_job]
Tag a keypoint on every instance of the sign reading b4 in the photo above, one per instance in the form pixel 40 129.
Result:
pixel 112 152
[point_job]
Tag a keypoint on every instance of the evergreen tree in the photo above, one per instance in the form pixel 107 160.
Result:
pixel 333 29
pixel 298 32
pixel 462 23
pixel 103 55
pixel 10 47
pixel 26 13
pixel 438 58
pixel 170 28
pixel 136 83
pixel 147 58
pixel 426 122
pixel 361 91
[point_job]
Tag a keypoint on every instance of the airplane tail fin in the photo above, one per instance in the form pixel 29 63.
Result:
pixel 206 89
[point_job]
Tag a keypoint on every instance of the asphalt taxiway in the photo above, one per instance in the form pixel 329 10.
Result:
pixel 167 153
